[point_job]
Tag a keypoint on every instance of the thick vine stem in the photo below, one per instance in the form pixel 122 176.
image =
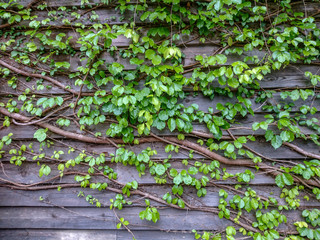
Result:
pixel 39 76
pixel 238 162
pixel 291 145
pixel 172 104
pixel 134 192
pixel 301 151
pixel 203 151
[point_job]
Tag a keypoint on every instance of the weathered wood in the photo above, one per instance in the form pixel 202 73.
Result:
pixel 35 219
pixel 104 13
pixel 52 234
pixel 99 218
pixel 259 145
pixel 309 6
pixel 170 219
pixel 205 103
pixel 190 53
pixel 68 3
pixel 28 173
pixel 68 197
pixel 289 77
pixel 239 128
pixel 189 59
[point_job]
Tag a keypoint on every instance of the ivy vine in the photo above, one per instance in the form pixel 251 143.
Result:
pixel 125 81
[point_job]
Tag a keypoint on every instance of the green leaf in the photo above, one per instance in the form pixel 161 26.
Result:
pixel 41 101
pixel 233 82
pixel 172 124
pixel 115 68
pixel 284 179
pixel 59 101
pixel 136 61
pixel 274 234
pixel 177 180
pixel 255 126
pixel 173 172
pixel 287 179
pixel 285 136
pixel 263 125
pixel 151 55
pixel 163 115
pixel 40 134
pixel 269 135
pixel 62 64
pixel 46 170
pixel 246 178
pixel 218 5
pixel 230 148
pixel 221 59
pixel 231 231
pixel 32 47
pixel 276 141
pixel 193 170
pixel 180 123
pixel 156 60
pixel 160 169
pixel 181 203
pixel 295 95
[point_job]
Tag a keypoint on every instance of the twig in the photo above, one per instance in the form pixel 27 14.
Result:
pixel 128 229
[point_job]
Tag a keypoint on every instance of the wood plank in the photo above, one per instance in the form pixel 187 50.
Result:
pixel 28 173
pixel 68 197
pixel 55 218
pixel 121 41
pixel 68 3
pixel 34 234
pixel 241 126
pixel 22 209
pixel 61 234
pixel 147 235
pixel 259 145
pixel 309 6
pixel 190 53
pixel 204 102
pixel 104 219
pixel 289 77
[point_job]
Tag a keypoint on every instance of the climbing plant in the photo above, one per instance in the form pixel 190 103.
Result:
pixel 79 72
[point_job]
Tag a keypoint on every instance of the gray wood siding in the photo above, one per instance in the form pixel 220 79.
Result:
pixel 64 215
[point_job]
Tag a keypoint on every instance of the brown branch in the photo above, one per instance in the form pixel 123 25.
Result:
pixel 45 187
pixel 40 183
pixel 259 154
pixel 36 75
pixel 128 229
pixel 182 143
pixel 39 120
pixel 5 25
pixel 301 151
pixel 263 166
pixel 54 129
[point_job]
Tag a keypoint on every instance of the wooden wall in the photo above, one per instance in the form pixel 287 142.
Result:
pixel 63 215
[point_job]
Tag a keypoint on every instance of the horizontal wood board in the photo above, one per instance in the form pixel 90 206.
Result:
pixel 63 215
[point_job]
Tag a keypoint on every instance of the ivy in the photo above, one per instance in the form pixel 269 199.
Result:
pixel 284 179
pixel 130 82
pixel 40 134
